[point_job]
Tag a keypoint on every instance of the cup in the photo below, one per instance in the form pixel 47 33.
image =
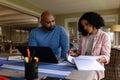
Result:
pixel 31 70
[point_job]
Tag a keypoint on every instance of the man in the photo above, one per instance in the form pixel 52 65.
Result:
pixel 50 35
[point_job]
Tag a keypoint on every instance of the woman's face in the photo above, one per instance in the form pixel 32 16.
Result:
pixel 88 27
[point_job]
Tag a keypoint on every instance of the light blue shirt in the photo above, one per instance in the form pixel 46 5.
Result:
pixel 57 39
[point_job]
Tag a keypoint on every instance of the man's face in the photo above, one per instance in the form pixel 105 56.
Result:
pixel 48 22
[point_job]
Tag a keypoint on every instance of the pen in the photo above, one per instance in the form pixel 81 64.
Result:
pixel 33 55
pixel 26 59
pixel 28 54
pixel 36 59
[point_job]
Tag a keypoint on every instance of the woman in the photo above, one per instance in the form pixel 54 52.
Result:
pixel 93 41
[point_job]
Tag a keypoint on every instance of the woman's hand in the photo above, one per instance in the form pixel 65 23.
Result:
pixel 71 53
pixel 101 60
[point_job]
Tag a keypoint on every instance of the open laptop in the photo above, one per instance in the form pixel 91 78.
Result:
pixel 45 54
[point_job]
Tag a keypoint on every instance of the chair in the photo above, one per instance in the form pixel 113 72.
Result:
pixel 112 71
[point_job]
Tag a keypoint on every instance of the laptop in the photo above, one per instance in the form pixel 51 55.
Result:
pixel 45 54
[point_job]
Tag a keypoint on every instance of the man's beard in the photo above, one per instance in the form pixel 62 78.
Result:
pixel 49 29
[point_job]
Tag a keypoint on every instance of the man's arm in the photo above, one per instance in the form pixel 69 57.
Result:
pixel 64 42
pixel 32 41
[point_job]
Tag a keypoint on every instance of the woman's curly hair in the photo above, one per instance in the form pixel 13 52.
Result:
pixel 93 18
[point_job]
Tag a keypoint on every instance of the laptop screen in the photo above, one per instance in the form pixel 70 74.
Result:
pixel 45 54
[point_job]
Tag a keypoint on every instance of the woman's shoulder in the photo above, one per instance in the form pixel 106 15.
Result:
pixel 104 34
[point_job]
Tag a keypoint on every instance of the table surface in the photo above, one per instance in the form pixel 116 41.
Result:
pixel 16 69
pixel 75 75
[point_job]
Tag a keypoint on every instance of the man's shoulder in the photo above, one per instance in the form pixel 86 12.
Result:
pixel 60 27
pixel 36 29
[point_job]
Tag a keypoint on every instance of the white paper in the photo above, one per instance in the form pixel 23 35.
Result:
pixel 88 57
pixel 70 59
pixel 88 63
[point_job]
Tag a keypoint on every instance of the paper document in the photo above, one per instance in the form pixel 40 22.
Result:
pixel 70 59
pixel 86 62
pixel 88 57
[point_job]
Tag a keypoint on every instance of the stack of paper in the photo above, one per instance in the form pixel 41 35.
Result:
pixel 86 62
pixel 15 58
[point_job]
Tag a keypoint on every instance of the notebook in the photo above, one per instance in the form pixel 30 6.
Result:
pixel 1 63
pixel 45 54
